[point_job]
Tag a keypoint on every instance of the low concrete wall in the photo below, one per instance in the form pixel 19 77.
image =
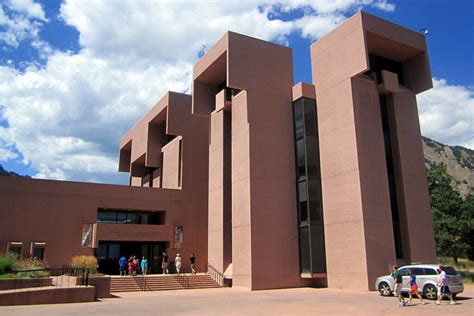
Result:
pixel 50 295
pixel 101 284
pixel 11 284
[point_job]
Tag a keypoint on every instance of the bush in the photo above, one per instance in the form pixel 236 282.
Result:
pixel 89 262
pixel 31 264
pixel 7 263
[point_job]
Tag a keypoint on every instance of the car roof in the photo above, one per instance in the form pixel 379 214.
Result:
pixel 433 266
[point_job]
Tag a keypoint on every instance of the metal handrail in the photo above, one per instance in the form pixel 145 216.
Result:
pixel 216 275
pixel 182 279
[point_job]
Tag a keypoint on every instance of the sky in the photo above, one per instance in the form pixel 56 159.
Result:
pixel 75 75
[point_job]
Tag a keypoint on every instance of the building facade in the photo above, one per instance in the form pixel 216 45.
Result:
pixel 271 184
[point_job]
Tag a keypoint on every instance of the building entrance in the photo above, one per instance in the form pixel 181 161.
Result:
pixel 109 252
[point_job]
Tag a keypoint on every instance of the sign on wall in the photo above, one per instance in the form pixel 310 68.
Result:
pixel 178 236
pixel 89 233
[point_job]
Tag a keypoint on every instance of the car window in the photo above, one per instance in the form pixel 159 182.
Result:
pixel 429 271
pixel 403 271
pixel 450 270
pixel 417 271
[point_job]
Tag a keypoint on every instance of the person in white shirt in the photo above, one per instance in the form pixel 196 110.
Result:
pixel 443 288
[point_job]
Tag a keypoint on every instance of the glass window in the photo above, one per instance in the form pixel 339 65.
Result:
pixel 131 218
pixel 305 256
pixel 106 217
pixel 310 125
pixel 114 251
pixel 303 205
pixel 300 157
pixel 450 270
pixel 417 271
pixel 429 271
pixel 38 253
pixel 404 271
pixel 16 250
pixel 121 218
pixel 298 117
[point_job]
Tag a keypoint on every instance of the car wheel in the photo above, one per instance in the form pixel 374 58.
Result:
pixel 384 289
pixel 430 292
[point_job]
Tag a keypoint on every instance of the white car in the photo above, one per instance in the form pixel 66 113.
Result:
pixel 426 278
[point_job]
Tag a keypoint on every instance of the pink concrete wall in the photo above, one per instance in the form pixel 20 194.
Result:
pixel 346 257
pixel 356 201
pixel 219 239
pixel 412 182
pixel 171 172
pixel 378 230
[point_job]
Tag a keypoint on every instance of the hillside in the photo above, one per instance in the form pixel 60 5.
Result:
pixel 459 162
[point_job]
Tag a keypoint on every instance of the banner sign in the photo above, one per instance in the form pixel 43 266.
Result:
pixel 89 235
pixel 178 236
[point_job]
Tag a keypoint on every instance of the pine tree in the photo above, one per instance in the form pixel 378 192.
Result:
pixel 452 217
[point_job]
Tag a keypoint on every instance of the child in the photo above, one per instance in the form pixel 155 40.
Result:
pixel 414 288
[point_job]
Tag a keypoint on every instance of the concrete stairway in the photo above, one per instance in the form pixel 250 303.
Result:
pixel 161 282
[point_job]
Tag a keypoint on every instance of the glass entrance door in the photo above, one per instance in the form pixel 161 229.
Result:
pixel 109 252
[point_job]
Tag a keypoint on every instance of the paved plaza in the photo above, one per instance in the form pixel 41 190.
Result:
pixel 233 301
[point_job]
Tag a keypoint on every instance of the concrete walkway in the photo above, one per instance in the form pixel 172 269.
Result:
pixel 233 301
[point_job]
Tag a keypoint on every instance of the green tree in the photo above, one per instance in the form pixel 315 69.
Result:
pixel 467 209
pixel 450 220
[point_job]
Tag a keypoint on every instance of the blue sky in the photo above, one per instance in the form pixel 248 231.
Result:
pixel 75 75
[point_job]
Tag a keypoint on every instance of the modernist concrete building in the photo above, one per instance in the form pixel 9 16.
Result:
pixel 272 184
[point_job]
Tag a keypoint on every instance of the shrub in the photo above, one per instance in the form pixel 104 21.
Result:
pixel 89 262
pixel 7 263
pixel 31 264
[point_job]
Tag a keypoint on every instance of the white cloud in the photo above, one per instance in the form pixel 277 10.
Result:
pixel 24 21
pixel 6 154
pixel 447 113
pixel 28 7
pixel 67 117
pixel 384 6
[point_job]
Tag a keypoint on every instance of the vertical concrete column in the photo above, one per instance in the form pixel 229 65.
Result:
pixel 220 233
pixel 375 196
pixel 241 199
pixel 346 257
pixel 414 206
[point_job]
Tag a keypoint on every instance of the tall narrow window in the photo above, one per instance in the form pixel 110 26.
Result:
pixel 308 177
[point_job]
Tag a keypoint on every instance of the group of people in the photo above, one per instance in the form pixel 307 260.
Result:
pixel 443 288
pixel 177 263
pixel 134 265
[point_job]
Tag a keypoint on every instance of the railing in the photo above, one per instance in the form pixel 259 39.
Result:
pixel 37 278
pixel 216 275
pixel 141 282
pixel 182 279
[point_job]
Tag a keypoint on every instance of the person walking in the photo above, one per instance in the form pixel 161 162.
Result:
pixel 397 276
pixel 131 267
pixel 164 263
pixel 177 263
pixel 192 259
pixel 414 288
pixel 144 265
pixel 123 266
pixel 136 264
pixel 443 288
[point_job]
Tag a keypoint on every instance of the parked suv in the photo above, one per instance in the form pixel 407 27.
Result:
pixel 426 278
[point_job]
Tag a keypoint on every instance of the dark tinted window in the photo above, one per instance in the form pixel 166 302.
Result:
pixel 450 270
pixel 38 253
pixel 429 271
pixel 130 217
pixel 15 250
pixel 417 271
pixel 403 271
